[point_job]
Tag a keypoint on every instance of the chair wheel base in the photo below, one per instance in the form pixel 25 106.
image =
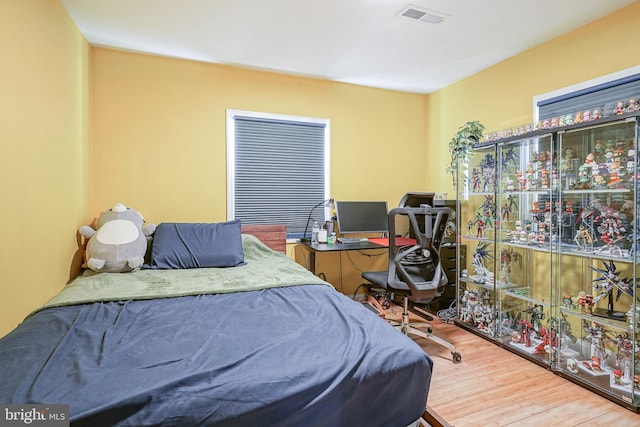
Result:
pixel 457 357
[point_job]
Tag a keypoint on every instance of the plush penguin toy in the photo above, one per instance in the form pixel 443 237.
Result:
pixel 119 242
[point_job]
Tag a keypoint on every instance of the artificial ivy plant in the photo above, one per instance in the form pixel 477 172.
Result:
pixel 461 145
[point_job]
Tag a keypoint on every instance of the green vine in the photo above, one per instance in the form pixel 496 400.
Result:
pixel 461 145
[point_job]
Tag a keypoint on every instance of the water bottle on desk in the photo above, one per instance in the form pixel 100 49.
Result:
pixel 314 233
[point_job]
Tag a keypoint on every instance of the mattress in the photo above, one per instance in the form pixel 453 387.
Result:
pixel 269 355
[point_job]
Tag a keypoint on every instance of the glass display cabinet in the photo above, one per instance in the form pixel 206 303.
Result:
pixel 596 293
pixel 551 222
pixel 527 190
pixel 476 184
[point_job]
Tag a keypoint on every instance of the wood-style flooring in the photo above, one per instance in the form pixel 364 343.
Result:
pixel 495 387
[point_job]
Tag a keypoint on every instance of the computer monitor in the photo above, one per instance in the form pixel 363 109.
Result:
pixel 362 217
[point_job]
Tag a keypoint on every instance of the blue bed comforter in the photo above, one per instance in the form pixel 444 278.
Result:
pixel 288 356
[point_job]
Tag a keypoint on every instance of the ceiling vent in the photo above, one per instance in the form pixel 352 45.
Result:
pixel 421 14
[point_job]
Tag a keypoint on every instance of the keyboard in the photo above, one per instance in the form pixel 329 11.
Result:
pixel 353 240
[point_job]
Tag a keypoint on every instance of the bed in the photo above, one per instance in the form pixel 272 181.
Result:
pixel 261 343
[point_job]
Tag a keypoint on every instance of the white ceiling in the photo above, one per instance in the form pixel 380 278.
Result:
pixel 363 42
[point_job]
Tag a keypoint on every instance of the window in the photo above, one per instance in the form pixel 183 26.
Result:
pixel 601 92
pixel 277 169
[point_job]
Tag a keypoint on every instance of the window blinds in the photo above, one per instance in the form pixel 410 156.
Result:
pixel 604 95
pixel 279 172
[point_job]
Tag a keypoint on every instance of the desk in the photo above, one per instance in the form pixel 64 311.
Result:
pixel 314 248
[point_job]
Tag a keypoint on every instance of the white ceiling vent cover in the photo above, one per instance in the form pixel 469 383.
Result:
pixel 421 14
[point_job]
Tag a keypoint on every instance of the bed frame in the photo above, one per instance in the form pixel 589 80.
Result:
pixel 272 235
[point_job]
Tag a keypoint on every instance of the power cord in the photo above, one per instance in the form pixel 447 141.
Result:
pixel 366 285
pixel 447 315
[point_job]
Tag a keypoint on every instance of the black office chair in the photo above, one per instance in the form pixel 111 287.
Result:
pixel 414 271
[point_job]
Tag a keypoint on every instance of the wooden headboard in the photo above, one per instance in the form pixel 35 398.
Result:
pixel 273 235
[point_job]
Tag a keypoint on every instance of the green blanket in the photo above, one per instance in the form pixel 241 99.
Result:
pixel 264 268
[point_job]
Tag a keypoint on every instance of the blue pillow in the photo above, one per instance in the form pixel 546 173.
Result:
pixel 196 245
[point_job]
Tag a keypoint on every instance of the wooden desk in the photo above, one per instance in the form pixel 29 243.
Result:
pixel 335 247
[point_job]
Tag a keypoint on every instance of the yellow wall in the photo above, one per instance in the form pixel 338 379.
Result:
pixel 501 96
pixel 44 132
pixel 158 133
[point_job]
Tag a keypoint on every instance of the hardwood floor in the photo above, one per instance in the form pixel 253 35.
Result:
pixel 494 387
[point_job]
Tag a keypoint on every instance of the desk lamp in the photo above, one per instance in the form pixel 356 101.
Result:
pixel 328 203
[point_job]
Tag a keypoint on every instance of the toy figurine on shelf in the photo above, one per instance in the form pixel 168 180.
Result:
pixel 585 301
pixel 578 117
pixel 508 257
pixel 598 336
pixel 536 315
pixel 544 179
pixel 548 339
pixel 569 119
pixel 608 150
pixel 506 211
pixel 590 159
pixel 624 354
pixel 568 207
pixel 483 318
pixel 510 186
pixel 480 226
pixel 596 114
pixel 488 210
pixel 468 302
pixel 531 178
pixel 583 239
pixel 609 280
pixel 475 180
pixel 515 234
pixel 561 121
pixel 619 153
pixel 480 257
pixel 515 337
pixel 513 202
pixel 598 180
pixel 572 365
pixel 509 160
pixel 526 329
pixel 522 181
pixel 617 376
pixel 598 150
pixel 536 207
pixel 615 181
pixel 587 212
pixel 488 172
pixel 610 228
pixel 535 160
pixel 619 108
pixel 584 182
